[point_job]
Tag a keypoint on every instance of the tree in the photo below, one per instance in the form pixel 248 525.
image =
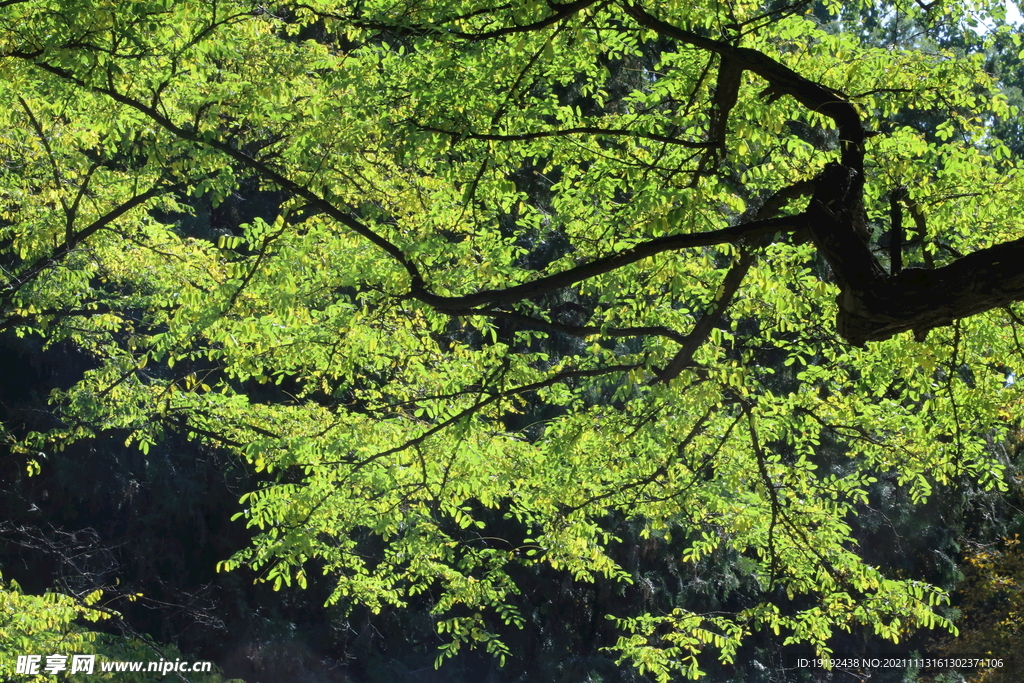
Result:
pixel 44 625
pixel 529 273
pixel 991 603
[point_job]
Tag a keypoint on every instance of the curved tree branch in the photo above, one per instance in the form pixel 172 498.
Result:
pixel 782 80
pixel 578 130
pixel 526 290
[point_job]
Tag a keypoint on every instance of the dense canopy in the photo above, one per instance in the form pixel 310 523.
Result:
pixel 481 288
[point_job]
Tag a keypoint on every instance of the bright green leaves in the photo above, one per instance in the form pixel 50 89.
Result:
pixel 674 652
pixel 412 446
pixel 52 623
pixel 32 623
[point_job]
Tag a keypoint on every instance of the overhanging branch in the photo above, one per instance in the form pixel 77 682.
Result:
pixel 919 299
pixel 544 285
pixel 781 79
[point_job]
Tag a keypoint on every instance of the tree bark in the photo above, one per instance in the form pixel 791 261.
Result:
pixel 919 299
pixel 874 306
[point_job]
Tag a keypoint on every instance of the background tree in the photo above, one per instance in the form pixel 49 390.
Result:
pixel 45 625
pixel 992 596
pixel 523 284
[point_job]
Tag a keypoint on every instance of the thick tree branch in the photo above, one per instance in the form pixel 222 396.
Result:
pixel 702 330
pixel 832 217
pixel 727 90
pixel 544 285
pixel 919 299
pixel 781 79
pixel 578 130
pixel 561 11
pixel 875 306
